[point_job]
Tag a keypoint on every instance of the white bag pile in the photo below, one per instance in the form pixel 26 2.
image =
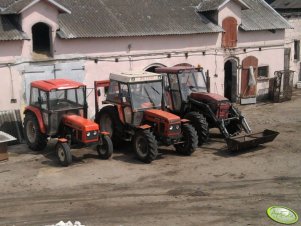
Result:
pixel 69 223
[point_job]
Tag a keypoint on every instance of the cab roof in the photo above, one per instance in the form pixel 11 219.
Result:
pixel 56 84
pixel 135 76
pixel 175 69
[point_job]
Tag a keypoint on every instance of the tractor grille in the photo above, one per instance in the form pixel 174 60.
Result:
pixel 174 128
pixel 92 135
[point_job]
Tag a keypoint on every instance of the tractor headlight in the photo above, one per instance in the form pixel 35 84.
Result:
pixel 95 133
pixel 88 134
pixel 171 127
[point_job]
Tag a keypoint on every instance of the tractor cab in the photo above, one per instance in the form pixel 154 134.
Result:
pixel 135 93
pixel 180 83
pixel 55 98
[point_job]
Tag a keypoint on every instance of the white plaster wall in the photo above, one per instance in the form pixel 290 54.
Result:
pixel 290 36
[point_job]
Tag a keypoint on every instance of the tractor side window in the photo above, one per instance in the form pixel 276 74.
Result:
pixel 167 94
pixel 124 90
pixel 34 97
pixel 71 95
pixel 43 99
pixel 80 96
pixel 201 81
pixel 113 93
pixel 175 92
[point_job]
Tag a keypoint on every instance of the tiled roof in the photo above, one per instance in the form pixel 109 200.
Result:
pixel 286 4
pixel 210 5
pixel 117 18
pixel 9 31
pixel 121 18
pixel 261 16
pixel 16 6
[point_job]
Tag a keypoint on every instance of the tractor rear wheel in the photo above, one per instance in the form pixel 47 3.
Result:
pixel 145 146
pixel 200 124
pixel 109 122
pixel 63 153
pixel 189 140
pixel 105 150
pixel 35 139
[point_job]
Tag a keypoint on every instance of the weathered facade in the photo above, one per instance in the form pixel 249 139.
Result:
pixel 86 40
pixel 291 10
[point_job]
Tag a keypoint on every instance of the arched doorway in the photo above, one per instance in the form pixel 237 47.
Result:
pixel 230 81
pixel 41 39
pixel 152 67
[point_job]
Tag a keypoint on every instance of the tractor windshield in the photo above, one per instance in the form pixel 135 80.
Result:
pixel 67 99
pixel 146 95
pixel 192 81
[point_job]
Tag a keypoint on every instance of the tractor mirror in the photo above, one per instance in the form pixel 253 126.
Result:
pixel 99 92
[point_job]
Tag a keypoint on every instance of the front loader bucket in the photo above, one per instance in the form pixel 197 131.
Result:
pixel 251 140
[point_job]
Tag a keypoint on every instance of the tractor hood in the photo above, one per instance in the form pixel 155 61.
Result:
pixel 166 116
pixel 208 97
pixel 80 123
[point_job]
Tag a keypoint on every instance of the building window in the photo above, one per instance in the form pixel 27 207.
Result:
pixel 296 49
pixel 263 71
pixel 229 38
pixel 41 39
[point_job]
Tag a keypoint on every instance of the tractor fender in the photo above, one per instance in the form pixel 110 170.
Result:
pixel 184 121
pixel 62 140
pixel 105 133
pixel 118 108
pixel 38 114
pixel 144 127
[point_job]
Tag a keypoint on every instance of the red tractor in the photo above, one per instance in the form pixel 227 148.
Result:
pixel 186 95
pixel 132 112
pixel 58 109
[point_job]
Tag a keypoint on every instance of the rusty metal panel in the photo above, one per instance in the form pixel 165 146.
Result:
pixel 73 70
pixel 11 123
pixel 282 89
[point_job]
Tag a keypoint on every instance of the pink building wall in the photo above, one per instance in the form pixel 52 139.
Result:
pixel 202 49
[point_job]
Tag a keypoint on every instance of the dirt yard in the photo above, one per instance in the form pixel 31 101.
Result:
pixel 211 187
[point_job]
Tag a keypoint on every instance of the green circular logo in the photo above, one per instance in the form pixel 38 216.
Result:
pixel 282 215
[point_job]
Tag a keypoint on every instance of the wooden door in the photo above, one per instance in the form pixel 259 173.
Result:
pixel 229 38
pixel 246 90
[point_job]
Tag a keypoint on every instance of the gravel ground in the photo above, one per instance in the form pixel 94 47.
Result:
pixel 211 187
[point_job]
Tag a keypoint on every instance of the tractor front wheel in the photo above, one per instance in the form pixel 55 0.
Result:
pixel 200 124
pixel 105 150
pixel 63 153
pixel 145 146
pixel 35 139
pixel 189 140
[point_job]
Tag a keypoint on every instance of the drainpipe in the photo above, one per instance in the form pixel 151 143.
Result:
pixel 13 99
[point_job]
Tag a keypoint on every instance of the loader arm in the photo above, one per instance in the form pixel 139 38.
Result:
pixel 220 123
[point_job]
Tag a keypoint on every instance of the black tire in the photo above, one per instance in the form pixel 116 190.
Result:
pixel 200 124
pixel 35 139
pixel 145 146
pixel 105 150
pixel 63 153
pixel 190 140
pixel 109 121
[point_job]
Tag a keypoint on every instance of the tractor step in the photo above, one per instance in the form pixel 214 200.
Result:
pixel 251 140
